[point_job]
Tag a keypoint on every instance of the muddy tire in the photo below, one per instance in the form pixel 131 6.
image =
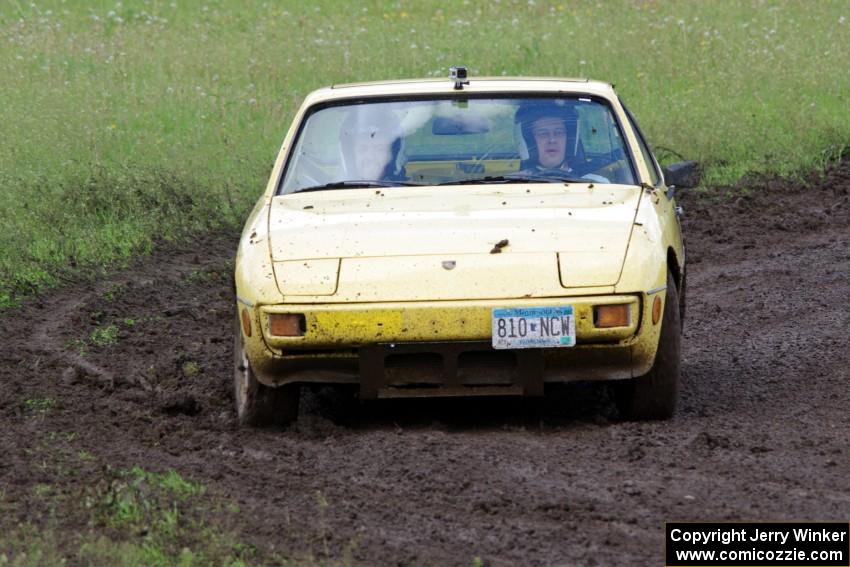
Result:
pixel 258 405
pixel 653 395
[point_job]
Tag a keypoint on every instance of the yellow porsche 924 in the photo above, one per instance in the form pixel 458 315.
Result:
pixel 461 237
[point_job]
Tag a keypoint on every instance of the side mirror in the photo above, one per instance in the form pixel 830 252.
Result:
pixel 685 174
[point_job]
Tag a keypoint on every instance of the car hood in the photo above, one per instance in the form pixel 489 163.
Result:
pixel 451 242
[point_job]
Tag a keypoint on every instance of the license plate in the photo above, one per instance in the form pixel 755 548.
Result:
pixel 534 327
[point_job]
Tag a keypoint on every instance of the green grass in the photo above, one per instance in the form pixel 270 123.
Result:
pixel 82 511
pixel 27 546
pixel 191 368
pixel 129 122
pixel 104 336
pixel 138 517
pixel 39 406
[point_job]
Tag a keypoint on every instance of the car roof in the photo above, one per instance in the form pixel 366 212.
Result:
pixel 477 85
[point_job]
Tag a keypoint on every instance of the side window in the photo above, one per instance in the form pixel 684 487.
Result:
pixel 651 165
pixel 595 131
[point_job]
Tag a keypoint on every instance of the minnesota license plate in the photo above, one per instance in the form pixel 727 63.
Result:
pixel 534 327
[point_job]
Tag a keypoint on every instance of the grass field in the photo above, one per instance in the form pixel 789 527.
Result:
pixel 125 122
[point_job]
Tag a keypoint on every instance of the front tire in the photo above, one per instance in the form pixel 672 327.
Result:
pixel 258 405
pixel 653 395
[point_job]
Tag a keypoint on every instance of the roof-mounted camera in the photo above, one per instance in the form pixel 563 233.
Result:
pixel 459 76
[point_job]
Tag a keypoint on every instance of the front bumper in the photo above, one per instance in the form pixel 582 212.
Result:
pixel 442 347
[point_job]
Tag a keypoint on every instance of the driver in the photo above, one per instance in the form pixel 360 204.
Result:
pixel 545 129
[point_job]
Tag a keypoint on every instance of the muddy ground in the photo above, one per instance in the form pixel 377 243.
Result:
pixel 134 369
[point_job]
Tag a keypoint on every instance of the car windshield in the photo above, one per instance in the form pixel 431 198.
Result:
pixel 453 141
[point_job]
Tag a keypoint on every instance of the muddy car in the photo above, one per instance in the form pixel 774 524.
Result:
pixel 461 237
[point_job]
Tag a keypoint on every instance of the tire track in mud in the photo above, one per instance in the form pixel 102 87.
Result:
pixel 45 333
pixel 762 432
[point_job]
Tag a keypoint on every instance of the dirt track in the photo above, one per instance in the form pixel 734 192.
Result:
pixel 762 433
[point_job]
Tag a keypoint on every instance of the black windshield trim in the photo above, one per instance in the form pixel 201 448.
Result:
pixel 356 184
pixel 519 178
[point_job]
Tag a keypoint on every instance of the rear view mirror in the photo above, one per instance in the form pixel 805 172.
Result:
pixel 460 125
pixel 685 174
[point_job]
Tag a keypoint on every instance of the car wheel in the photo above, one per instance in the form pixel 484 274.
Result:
pixel 653 395
pixel 258 405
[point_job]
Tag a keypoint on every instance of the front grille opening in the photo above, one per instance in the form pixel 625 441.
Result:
pixel 487 368
pixel 484 358
pixel 413 368
pixel 413 359
pixel 417 386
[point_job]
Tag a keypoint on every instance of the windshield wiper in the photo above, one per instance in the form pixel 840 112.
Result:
pixel 554 178
pixel 480 180
pixel 515 178
pixel 359 184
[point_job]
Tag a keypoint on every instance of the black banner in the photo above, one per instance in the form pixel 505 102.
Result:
pixel 757 544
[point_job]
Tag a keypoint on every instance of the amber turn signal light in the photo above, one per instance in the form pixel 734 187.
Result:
pixel 656 310
pixel 246 322
pixel 605 316
pixel 287 324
